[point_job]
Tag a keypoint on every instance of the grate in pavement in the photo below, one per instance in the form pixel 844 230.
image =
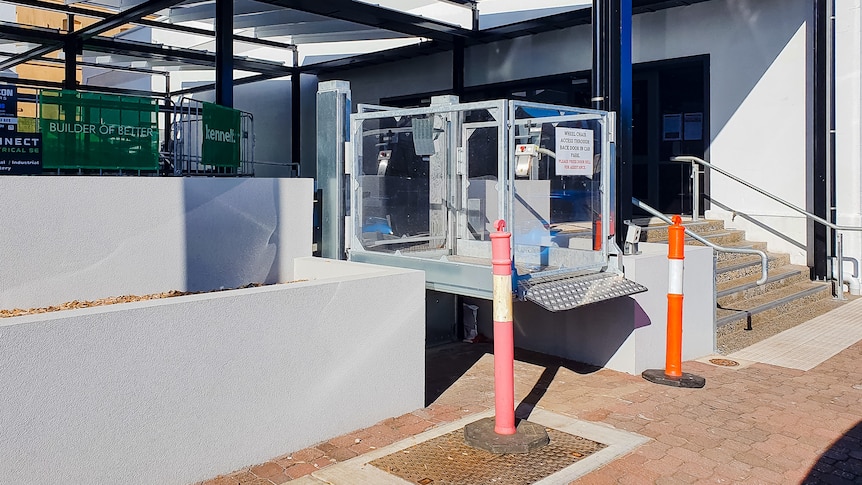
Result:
pixel 448 460
pixel 724 362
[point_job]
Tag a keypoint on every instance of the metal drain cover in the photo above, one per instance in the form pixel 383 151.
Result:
pixel 724 362
pixel 448 460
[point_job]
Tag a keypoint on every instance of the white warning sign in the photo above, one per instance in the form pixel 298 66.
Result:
pixel 574 151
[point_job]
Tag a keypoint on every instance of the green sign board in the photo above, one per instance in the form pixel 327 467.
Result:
pixel 221 136
pixel 98 131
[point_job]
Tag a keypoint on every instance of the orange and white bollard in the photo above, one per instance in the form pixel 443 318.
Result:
pixel 504 334
pixel 672 375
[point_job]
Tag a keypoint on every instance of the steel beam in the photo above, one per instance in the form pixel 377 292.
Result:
pixel 206 11
pixel 38 83
pixel 237 82
pixel 377 17
pixel 28 55
pixel 190 56
pixel 86 12
pixel 224 53
pixel 122 18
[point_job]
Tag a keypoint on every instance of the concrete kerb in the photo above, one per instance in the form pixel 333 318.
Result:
pixel 359 470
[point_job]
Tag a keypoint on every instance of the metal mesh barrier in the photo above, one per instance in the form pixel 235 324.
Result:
pixel 199 147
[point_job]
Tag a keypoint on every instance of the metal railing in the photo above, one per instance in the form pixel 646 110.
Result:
pixel 695 193
pixel 187 142
pixel 764 260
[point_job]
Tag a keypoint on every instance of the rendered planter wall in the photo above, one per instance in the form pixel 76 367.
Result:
pixel 183 389
pixel 84 238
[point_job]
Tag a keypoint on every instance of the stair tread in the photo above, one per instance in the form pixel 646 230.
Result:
pixel 745 260
pixel 746 244
pixel 656 223
pixel 772 298
pixel 748 281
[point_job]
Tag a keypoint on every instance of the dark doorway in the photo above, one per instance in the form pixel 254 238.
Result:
pixel 670 117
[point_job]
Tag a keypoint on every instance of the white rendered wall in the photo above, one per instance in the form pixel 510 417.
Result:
pixel 180 390
pixel 848 115
pixel 423 74
pixel 82 238
pixel 758 105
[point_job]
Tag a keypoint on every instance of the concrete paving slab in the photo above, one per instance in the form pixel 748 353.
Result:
pixel 808 345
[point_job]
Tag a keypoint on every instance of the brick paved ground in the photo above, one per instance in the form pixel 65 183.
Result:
pixel 755 424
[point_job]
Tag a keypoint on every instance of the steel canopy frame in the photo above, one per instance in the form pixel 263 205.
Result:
pixel 444 36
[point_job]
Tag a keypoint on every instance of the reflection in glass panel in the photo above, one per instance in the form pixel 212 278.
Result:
pixel 557 189
pixel 431 182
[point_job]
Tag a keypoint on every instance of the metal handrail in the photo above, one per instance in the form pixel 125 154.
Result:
pixel 764 261
pixel 696 192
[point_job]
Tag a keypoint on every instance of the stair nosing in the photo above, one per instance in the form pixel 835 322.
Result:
pixel 720 322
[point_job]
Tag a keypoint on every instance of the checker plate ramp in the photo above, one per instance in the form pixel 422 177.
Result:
pixel 564 292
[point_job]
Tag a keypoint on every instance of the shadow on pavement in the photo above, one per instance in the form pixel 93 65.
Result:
pixel 841 463
pixel 445 364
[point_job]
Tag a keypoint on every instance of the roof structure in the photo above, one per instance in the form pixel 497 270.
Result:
pixel 271 38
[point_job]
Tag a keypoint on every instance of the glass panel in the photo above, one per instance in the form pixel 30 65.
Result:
pixel 431 183
pixel 557 206
pixel 402 191
pixel 483 204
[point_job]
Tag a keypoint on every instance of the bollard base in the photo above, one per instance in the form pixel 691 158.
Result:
pixel 528 437
pixel 658 376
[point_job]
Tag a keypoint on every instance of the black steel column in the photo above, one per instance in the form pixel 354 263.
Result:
pixel 295 117
pixel 224 53
pixel 70 51
pixel 612 91
pixel 458 67
pixel 819 237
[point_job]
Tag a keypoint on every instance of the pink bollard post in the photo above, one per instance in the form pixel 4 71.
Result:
pixel 504 341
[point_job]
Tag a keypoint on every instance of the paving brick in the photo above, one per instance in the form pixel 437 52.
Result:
pixel 758 424
pixel 342 454
pixel 307 455
pixel 664 466
pixel 734 470
pixel 266 470
pixel 300 470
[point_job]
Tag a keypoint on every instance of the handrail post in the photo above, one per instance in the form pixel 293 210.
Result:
pixel 695 191
pixel 839 278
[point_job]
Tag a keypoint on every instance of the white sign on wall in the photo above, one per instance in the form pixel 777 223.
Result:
pixel 574 151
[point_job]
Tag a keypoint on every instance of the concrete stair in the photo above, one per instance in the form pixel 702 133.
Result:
pixel 747 312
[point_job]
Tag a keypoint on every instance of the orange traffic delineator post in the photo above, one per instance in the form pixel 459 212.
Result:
pixel 502 434
pixel 672 374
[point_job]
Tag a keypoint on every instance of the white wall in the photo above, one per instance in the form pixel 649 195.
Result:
pixel 184 389
pixel 82 238
pixel 848 121
pixel 421 74
pixel 758 99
